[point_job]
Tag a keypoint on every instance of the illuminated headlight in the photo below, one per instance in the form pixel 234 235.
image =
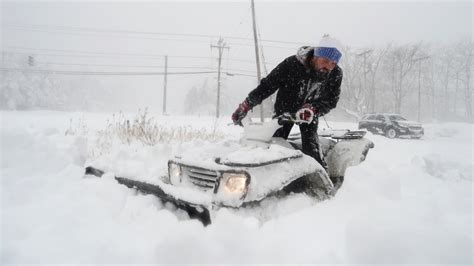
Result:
pixel 235 183
pixel 174 172
pixel 232 188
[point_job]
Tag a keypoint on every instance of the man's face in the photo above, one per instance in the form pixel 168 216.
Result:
pixel 322 65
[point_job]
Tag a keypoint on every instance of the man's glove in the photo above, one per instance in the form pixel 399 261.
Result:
pixel 306 113
pixel 240 113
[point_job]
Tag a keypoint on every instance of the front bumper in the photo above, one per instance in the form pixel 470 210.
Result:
pixel 195 211
pixel 411 132
pixel 198 211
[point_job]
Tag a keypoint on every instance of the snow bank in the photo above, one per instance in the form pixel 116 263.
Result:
pixel 409 202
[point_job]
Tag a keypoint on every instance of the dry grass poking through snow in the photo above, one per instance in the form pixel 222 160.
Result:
pixel 146 130
pixel 149 132
pixel 142 129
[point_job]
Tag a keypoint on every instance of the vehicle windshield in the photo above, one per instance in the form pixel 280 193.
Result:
pixel 397 118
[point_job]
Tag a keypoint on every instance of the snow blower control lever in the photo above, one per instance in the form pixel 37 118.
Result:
pixel 286 118
pixel 289 118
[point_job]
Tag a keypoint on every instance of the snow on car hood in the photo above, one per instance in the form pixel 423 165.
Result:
pixel 408 123
pixel 235 153
pixel 258 155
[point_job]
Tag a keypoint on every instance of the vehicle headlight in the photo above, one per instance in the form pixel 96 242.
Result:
pixel 232 189
pixel 174 173
pixel 235 183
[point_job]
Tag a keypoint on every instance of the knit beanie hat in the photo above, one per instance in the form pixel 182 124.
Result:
pixel 329 48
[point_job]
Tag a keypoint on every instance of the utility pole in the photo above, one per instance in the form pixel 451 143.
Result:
pixel 257 57
pixel 165 84
pixel 419 83
pixel 31 61
pixel 220 46
pixel 372 90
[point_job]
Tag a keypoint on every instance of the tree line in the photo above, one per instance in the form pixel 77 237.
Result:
pixel 421 81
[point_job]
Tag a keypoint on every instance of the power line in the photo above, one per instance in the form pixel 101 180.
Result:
pixel 52 28
pixel 266 46
pixel 124 66
pixel 77 53
pixel 63 72
pixel 97 73
pixel 91 52
pixel 136 66
pixel 98 34
pixel 100 65
pixel 62 29
pixel 160 39
pixel 239 74
pixel 72 54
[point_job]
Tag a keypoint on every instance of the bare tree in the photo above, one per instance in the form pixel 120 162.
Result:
pixel 402 64
pixel 445 66
pixel 465 51
pixel 375 63
pixel 353 92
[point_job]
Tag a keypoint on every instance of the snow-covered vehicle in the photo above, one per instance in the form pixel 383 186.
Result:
pixel 240 174
pixel 391 125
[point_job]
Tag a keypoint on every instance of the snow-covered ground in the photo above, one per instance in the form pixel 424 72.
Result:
pixel 409 202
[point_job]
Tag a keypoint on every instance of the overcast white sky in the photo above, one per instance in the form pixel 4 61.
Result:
pixel 84 26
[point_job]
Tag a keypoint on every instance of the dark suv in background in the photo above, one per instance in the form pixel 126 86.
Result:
pixel 391 125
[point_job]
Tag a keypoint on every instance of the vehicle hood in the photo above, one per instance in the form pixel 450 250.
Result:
pixel 256 146
pixel 219 156
pixel 408 123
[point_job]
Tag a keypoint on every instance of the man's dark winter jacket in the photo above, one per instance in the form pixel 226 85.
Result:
pixel 297 84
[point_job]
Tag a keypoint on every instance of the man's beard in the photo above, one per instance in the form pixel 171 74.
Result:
pixel 322 73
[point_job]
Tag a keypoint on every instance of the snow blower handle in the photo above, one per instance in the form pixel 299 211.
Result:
pixel 289 118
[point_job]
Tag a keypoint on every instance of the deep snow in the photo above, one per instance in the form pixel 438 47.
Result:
pixel 409 202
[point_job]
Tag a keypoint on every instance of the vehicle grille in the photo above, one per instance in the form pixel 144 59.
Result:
pixel 415 128
pixel 204 179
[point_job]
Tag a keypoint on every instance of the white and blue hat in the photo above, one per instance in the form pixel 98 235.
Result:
pixel 329 48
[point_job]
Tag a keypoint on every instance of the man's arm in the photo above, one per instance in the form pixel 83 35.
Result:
pixel 269 84
pixel 330 97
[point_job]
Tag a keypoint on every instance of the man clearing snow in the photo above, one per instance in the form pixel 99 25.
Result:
pixel 308 85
